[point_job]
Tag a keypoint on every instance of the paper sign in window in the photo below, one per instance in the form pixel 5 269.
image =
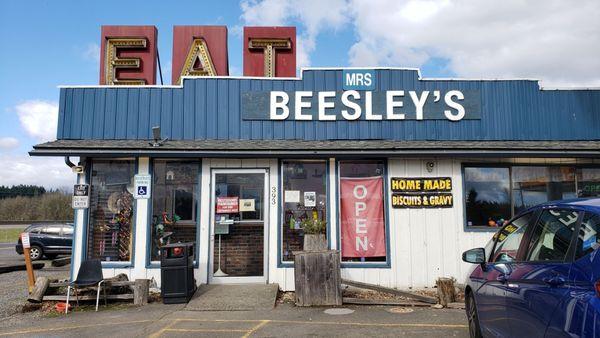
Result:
pixel 247 204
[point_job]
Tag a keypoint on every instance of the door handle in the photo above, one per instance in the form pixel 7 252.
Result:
pixel 502 278
pixel 554 281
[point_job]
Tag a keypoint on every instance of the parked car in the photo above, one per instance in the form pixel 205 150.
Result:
pixel 48 240
pixel 539 276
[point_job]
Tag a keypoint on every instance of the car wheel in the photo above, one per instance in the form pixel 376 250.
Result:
pixel 471 307
pixel 35 252
pixel 51 256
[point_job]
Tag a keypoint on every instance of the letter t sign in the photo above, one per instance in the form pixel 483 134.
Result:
pixel 270 51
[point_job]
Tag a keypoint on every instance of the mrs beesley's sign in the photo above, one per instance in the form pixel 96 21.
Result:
pixel 430 192
pixel 361 100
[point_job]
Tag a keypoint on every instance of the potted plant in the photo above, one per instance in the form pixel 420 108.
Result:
pixel 314 234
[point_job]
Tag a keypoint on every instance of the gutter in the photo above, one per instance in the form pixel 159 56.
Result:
pixel 324 153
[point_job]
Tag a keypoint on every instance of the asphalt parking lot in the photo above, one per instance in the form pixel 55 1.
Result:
pixel 158 320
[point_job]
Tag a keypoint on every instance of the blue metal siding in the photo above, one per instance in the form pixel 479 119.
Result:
pixel 210 108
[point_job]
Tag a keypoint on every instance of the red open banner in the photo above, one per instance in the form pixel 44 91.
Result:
pixel 362 223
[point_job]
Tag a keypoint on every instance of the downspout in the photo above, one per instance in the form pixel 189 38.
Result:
pixel 68 162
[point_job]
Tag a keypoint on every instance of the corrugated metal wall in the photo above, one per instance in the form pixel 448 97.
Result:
pixel 209 108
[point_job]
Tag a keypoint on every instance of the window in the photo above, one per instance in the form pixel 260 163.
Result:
pixel 535 185
pixel 174 203
pixel 494 193
pixel 111 211
pixel 588 239
pixel 487 196
pixel 51 230
pixel 588 182
pixel 552 235
pixel 362 210
pixel 241 187
pixel 508 240
pixel 304 197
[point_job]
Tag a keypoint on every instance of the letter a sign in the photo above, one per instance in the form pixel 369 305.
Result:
pixel 363 231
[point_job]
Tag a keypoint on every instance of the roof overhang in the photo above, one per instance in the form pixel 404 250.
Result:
pixel 300 148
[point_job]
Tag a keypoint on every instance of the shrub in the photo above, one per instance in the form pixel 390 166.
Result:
pixel 54 206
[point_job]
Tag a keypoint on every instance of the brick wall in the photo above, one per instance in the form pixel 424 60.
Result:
pixel 241 250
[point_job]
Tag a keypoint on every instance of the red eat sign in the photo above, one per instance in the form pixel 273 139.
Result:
pixel 129 53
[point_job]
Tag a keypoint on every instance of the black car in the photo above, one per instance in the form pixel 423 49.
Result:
pixel 48 240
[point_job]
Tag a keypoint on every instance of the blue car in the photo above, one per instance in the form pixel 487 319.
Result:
pixel 539 276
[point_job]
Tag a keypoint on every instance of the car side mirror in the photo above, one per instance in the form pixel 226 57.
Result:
pixel 475 256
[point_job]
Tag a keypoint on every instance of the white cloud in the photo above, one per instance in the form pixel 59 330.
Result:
pixel 8 143
pixel 310 13
pixel 91 52
pixel 555 41
pixel 50 172
pixel 38 118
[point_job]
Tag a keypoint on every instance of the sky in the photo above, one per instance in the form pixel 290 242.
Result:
pixel 50 43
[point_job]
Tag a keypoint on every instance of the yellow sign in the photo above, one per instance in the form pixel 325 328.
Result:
pixel 422 184
pixel 425 200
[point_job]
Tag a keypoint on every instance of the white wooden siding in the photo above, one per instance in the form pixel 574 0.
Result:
pixel 424 243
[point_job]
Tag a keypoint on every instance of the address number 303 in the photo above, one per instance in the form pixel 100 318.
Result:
pixel 273 195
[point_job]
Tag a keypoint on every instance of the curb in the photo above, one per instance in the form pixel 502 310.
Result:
pixel 19 267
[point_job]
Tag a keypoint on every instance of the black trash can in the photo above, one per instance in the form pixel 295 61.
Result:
pixel 177 273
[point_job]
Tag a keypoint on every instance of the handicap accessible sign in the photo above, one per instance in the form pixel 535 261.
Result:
pixel 142 186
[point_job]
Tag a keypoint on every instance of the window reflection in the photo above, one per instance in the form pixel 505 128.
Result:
pixel 535 185
pixel 174 204
pixel 588 182
pixel 305 184
pixel 487 196
pixel 111 211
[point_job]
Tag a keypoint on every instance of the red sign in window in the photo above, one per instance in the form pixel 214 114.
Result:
pixel 227 205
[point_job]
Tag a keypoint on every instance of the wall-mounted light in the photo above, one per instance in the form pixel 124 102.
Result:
pixel 157 139
pixel 429 166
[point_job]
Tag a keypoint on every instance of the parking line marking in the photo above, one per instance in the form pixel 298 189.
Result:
pixel 206 330
pixel 252 330
pixel 457 326
pixel 375 324
pixel 62 328
pixel 165 328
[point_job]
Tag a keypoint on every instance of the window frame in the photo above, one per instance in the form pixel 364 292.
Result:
pixel 290 264
pixel 479 228
pixel 150 264
pixel 88 215
pixel 387 264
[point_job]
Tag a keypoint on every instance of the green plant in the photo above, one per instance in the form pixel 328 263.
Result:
pixel 313 226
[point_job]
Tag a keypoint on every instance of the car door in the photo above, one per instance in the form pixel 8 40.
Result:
pixel 575 316
pixel 490 297
pixel 66 238
pixel 539 283
pixel 50 237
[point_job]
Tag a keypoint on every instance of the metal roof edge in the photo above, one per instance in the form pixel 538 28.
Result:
pixel 303 69
pixel 336 152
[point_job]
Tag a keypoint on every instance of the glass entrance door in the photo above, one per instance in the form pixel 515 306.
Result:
pixel 238 226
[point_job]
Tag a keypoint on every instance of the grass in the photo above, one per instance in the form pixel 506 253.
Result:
pixel 50 312
pixel 9 235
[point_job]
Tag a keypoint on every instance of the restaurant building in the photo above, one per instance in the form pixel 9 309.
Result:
pixel 406 172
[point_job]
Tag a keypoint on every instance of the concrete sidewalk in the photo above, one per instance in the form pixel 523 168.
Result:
pixel 158 320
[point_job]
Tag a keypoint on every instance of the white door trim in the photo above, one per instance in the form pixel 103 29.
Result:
pixel 239 280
